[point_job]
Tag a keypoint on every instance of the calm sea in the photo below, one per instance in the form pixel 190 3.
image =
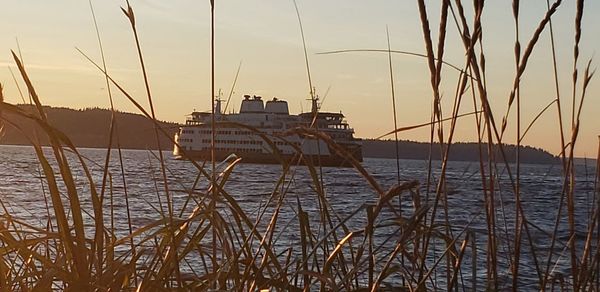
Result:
pixel 23 194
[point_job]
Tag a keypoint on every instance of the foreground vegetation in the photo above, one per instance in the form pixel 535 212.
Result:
pixel 235 252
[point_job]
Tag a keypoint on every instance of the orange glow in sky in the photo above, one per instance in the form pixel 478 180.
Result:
pixel 264 37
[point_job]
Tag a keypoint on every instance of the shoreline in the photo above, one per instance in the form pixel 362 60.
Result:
pixel 579 160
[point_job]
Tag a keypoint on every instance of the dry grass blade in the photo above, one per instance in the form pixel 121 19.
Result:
pixel 207 238
pixel 302 220
pixel 523 61
pixel 412 224
pixel 393 192
pixel 463 247
pixel 98 243
pixel 557 88
pixel 75 247
pixel 335 252
pixel 79 250
pixel 197 166
pixel 393 94
pixel 1 101
pixel 408 128
pixel 130 15
pixel 306 62
pixel 30 87
pixel 449 248
pixel 339 150
pixel 536 118
pixel 575 124
pixel 443 62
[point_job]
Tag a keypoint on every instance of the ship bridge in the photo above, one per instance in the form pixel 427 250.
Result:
pixel 326 120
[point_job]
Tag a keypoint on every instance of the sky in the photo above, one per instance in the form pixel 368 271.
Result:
pixel 264 37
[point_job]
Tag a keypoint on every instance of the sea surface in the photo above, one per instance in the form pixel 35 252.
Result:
pixel 23 194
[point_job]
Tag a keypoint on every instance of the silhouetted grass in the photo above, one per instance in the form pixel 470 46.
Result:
pixel 234 249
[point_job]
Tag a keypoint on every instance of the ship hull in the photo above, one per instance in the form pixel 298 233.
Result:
pixel 268 158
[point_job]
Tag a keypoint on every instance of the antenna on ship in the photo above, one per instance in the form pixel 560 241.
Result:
pixel 324 97
pixel 314 102
pixel 231 91
pixel 315 106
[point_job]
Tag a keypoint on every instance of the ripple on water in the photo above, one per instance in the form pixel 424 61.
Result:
pixel 254 185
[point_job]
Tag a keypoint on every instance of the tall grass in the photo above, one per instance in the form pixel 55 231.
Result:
pixel 237 249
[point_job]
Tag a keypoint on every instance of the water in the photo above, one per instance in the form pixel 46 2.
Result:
pixel 23 194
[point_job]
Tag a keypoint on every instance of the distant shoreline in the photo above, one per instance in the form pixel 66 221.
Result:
pixel 387 157
pixel 89 128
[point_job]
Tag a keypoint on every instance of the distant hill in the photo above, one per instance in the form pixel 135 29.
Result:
pixel 90 127
pixel 458 151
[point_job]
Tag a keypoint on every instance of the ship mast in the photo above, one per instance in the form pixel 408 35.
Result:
pixel 314 104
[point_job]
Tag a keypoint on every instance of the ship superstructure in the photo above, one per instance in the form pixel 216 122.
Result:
pixel 236 133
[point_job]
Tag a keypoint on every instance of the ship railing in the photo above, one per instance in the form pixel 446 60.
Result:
pixel 193 123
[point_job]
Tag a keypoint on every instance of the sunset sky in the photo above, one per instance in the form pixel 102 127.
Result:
pixel 265 37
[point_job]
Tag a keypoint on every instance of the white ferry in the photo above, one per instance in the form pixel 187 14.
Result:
pixel 240 134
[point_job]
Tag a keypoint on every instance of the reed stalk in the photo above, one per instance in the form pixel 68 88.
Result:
pixel 207 239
